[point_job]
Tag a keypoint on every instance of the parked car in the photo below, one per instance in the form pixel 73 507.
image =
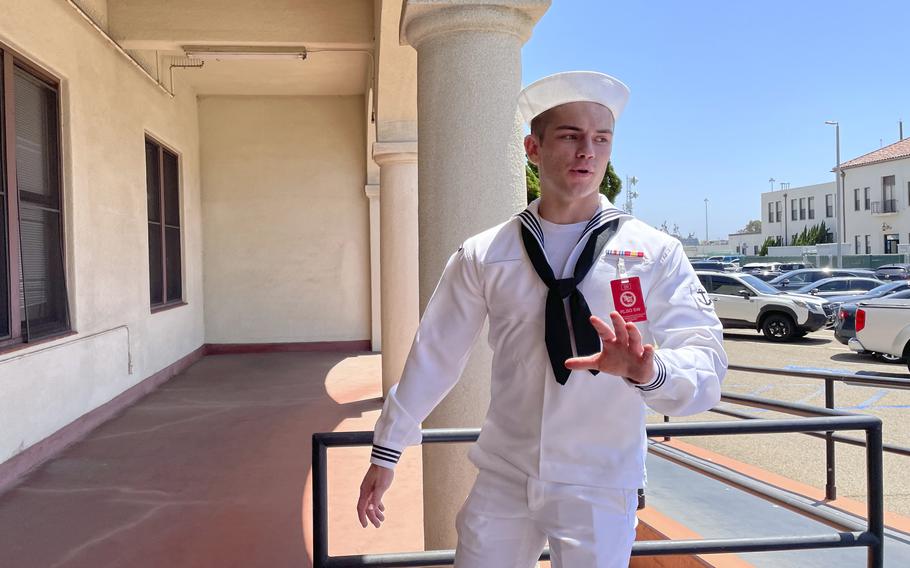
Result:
pixel 838 286
pixel 725 258
pixel 893 272
pixel 744 301
pixel 788 266
pixel 767 275
pixel 883 326
pixel 845 324
pixel 708 265
pixel 799 278
pixel 753 267
pixel 731 267
pixel 881 291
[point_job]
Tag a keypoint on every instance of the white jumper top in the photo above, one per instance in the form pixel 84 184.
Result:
pixel 590 431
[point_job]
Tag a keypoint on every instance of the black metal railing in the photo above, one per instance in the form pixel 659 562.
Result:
pixel 870 536
pixel 885 206
pixel 830 377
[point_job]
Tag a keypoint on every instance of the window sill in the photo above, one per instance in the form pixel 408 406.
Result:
pixel 166 307
pixel 13 347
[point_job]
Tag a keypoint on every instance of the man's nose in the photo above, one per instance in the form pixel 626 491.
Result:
pixel 585 149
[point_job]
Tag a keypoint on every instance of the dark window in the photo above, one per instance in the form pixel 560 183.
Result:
pixel 726 286
pixel 856 199
pixel 811 204
pixel 891 242
pixel 829 205
pixel 777 212
pixel 770 212
pixel 33 298
pixel 802 208
pixel 793 210
pixel 866 199
pixel 162 184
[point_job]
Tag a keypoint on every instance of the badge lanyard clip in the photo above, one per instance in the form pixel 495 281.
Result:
pixel 621 267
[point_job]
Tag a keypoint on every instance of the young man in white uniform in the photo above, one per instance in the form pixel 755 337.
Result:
pixel 592 316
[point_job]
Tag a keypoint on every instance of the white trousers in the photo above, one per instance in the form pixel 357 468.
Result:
pixel 506 521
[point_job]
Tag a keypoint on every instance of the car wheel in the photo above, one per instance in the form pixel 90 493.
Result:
pixel 888 358
pixel 778 327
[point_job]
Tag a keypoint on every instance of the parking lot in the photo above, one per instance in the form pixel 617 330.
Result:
pixel 800 457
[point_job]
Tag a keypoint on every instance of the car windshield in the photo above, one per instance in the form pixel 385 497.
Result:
pixel 760 285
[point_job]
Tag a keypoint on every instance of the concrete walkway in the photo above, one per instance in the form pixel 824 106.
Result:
pixel 212 469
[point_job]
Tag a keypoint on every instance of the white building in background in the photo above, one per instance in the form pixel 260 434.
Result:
pixel 877 200
pixel 746 243
pixel 786 212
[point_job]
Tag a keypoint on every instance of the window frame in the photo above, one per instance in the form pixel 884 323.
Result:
pixel 829 205
pixel 10 60
pixel 162 148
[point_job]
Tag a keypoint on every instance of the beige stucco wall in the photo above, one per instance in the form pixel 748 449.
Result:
pixel 286 221
pixel 108 106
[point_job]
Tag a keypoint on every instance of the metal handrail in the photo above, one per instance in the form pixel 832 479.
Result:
pixel 872 537
pixel 830 377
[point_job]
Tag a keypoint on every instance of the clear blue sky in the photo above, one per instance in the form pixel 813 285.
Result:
pixel 727 94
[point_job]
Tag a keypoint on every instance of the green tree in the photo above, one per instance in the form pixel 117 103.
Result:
pixel 753 226
pixel 769 242
pixel 610 186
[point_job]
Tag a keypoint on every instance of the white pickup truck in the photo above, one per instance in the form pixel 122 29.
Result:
pixel 883 326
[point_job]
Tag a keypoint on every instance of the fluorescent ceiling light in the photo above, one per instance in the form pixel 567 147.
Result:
pixel 225 53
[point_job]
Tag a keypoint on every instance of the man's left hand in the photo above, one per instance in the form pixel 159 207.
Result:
pixel 622 352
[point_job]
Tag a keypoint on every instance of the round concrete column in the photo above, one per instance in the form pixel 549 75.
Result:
pixel 471 171
pixel 398 254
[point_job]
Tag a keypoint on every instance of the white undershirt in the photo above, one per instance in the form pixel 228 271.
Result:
pixel 559 241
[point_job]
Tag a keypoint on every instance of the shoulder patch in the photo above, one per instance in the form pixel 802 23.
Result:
pixel 701 297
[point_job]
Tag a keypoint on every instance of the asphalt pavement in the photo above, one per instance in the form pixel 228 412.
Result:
pixel 800 457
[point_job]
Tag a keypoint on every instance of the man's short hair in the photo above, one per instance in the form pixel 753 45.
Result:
pixel 539 124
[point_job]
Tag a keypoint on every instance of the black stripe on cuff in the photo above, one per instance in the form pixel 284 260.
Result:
pixel 385 454
pixel 661 377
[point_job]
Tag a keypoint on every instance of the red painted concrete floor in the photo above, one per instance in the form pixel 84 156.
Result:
pixel 212 470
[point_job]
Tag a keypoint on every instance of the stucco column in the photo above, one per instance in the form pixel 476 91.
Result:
pixel 471 177
pixel 398 254
pixel 372 193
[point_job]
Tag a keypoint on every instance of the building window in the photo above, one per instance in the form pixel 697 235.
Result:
pixel 868 244
pixel 811 204
pixel 162 176
pixel 891 242
pixel 770 212
pixel 856 244
pixel 33 298
pixel 777 211
pixel 802 208
pixel 866 199
pixel 889 203
pixel 793 210
pixel 856 199
pixel 829 205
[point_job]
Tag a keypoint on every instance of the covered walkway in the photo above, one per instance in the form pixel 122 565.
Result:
pixel 212 469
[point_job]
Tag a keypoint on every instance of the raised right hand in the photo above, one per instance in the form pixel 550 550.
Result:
pixel 375 483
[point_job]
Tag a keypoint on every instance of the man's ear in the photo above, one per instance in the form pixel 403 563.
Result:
pixel 532 149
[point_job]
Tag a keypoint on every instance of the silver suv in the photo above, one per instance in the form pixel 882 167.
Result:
pixel 744 301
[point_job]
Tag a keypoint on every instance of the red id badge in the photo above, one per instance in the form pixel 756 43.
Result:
pixel 627 299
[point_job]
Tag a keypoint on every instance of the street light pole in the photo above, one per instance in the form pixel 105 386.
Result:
pixel 706 220
pixel 838 190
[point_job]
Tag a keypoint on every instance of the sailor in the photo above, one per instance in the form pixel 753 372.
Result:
pixel 593 317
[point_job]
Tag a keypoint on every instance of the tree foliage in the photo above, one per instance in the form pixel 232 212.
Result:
pixel 812 235
pixel 753 226
pixel 610 186
pixel 769 242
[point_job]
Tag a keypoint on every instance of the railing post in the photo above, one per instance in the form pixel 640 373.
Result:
pixel 666 421
pixel 830 481
pixel 876 500
pixel 320 504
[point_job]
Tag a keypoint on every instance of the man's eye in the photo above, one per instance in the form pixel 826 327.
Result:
pixel 569 137
pixel 603 140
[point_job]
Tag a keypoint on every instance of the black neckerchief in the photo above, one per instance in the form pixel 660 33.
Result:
pixel 598 231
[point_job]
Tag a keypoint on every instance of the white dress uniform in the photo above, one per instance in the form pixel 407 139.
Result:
pixel 561 462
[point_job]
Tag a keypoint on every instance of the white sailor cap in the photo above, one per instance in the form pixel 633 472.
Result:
pixel 572 87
